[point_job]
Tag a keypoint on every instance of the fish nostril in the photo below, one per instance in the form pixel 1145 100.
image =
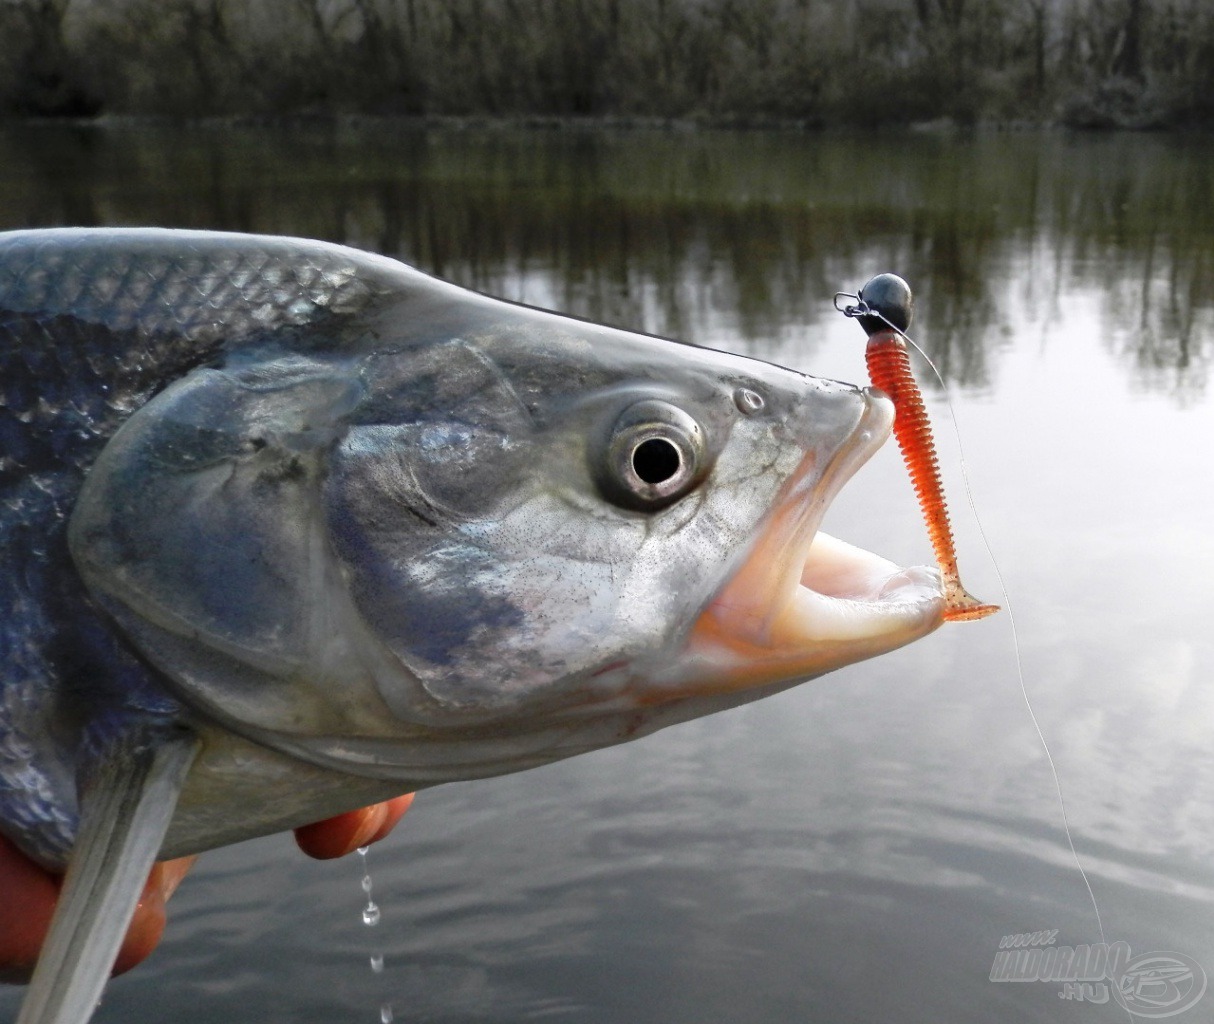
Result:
pixel 656 460
pixel 748 402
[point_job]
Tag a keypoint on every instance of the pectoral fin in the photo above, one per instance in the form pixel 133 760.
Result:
pixel 125 813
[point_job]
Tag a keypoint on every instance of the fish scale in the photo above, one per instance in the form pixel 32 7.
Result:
pixel 177 293
pixel 87 335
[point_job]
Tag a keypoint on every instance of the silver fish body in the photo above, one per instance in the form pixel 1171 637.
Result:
pixel 360 531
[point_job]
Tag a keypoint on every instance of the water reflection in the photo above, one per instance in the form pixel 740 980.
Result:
pixel 855 848
pixel 695 234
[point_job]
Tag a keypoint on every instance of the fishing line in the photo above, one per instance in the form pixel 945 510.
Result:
pixel 1011 618
pixel 861 308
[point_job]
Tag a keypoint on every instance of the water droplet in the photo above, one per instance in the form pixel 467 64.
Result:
pixel 366 883
pixel 385 1013
pixel 370 914
pixel 362 850
pixel 377 963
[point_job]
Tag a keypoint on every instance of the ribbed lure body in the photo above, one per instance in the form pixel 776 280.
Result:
pixel 889 369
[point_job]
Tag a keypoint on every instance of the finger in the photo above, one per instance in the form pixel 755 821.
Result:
pixel 342 834
pixel 147 926
pixel 174 872
pixel 345 833
pixel 394 810
pixel 145 929
pixel 29 895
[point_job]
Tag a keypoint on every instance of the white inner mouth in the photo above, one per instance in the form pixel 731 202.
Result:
pixel 848 593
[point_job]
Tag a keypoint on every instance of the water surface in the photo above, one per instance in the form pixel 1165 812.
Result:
pixel 855 849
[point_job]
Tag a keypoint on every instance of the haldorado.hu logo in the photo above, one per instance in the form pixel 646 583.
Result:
pixel 1153 985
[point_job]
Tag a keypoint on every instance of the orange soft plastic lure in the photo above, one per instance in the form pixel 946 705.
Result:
pixel 885 311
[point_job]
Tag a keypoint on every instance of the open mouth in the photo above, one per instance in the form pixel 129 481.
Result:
pixel 804 602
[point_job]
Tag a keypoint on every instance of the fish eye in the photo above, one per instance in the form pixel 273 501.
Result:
pixel 656 460
pixel 656 454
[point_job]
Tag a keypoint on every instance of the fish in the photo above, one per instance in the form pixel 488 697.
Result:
pixel 288 528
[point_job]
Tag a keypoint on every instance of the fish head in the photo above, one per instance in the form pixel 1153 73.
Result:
pixel 431 552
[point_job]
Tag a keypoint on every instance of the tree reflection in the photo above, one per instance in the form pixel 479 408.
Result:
pixel 669 232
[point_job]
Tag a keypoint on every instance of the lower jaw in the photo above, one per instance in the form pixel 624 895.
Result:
pixel 859 607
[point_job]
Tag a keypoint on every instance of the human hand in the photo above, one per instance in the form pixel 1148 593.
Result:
pixel 345 833
pixel 29 892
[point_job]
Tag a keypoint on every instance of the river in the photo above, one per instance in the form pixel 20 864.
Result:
pixel 856 849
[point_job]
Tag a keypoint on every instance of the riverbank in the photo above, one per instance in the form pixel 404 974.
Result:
pixel 1138 64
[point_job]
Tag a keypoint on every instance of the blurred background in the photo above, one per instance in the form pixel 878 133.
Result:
pixel 1127 63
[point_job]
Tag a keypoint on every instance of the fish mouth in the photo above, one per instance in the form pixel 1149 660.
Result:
pixel 803 602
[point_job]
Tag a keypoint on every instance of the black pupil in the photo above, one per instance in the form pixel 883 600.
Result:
pixel 656 460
